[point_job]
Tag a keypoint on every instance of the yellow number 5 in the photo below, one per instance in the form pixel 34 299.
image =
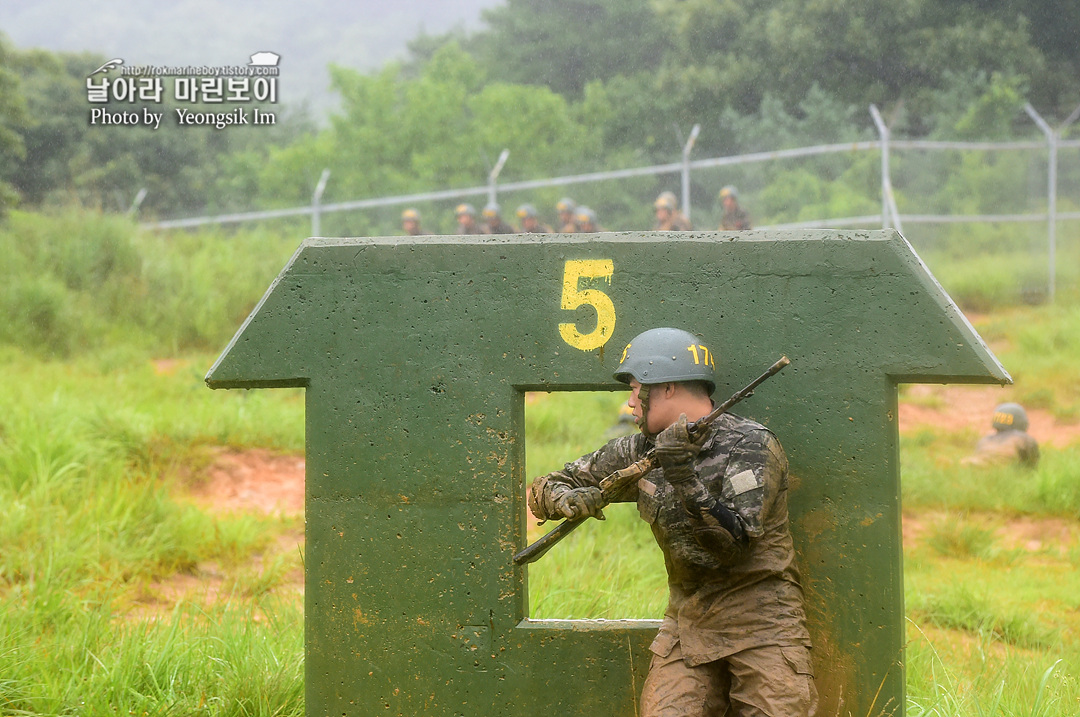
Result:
pixel 573 297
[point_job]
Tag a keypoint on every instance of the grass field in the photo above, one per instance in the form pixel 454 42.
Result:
pixel 102 440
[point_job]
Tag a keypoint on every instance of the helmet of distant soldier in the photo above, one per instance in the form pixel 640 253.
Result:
pixel 666 200
pixel 566 205
pixel 729 191
pixel 1010 416
pixel 526 211
pixel 584 215
pixel 491 210
pixel 667 354
pixel 410 215
pixel 465 210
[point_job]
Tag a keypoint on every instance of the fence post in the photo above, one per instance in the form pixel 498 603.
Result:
pixel 137 202
pixel 494 175
pixel 883 130
pixel 1052 137
pixel 316 199
pixel 687 148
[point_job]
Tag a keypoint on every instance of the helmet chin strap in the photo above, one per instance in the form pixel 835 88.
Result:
pixel 643 401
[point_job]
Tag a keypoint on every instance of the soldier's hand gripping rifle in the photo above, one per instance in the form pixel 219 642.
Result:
pixel 613 484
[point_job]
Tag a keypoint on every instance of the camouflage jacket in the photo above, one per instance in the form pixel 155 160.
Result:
pixel 539 229
pixel 500 228
pixel 1002 447
pixel 677 222
pixel 736 219
pixel 727 595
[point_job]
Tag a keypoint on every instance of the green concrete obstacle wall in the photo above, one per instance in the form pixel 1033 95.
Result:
pixel 416 355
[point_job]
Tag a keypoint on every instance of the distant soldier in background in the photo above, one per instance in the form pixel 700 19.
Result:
pixel 466 219
pixel 410 223
pixel 668 216
pixel 530 223
pixel 1009 442
pixel 625 424
pixel 735 217
pixel 566 208
pixel 493 221
pixel 586 221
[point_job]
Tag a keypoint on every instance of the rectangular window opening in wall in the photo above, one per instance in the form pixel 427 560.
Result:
pixel 609 569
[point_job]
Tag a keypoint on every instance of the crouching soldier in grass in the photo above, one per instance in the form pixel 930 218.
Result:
pixel 1010 441
pixel 734 639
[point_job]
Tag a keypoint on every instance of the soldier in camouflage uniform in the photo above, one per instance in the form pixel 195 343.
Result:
pixel 466 219
pixel 734 639
pixel 735 217
pixel 530 221
pixel 668 216
pixel 1009 442
pixel 586 220
pixel 566 207
pixel 493 221
pixel 410 223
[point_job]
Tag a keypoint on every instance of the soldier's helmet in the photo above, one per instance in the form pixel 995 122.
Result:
pixel 666 354
pixel 410 215
pixel 729 191
pixel 666 200
pixel 566 204
pixel 491 210
pixel 584 215
pixel 526 211
pixel 465 209
pixel 1010 416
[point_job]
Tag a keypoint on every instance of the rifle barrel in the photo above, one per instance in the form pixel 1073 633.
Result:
pixel 546 543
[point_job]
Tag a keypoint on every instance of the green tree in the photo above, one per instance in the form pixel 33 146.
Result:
pixel 13 117
pixel 396 133
pixel 64 159
pixel 731 53
pixel 57 130
pixel 565 44
pixel 1053 27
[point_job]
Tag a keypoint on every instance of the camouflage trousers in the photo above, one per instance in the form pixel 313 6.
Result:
pixel 760 682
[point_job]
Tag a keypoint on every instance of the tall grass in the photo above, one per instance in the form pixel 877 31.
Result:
pixel 934 476
pixel 1039 346
pixel 80 280
pixel 93 455
pixel 98 439
pixel 980 678
pixel 604 570
pixel 240 658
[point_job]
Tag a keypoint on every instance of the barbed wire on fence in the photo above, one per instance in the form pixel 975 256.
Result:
pixel 890 215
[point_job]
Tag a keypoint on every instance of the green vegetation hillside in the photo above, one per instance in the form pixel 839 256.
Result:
pixel 108 329
pixel 568 88
pixel 102 443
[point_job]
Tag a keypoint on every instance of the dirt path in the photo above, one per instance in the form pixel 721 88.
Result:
pixel 270 483
pixel 256 479
pixel 273 484
pixel 955 407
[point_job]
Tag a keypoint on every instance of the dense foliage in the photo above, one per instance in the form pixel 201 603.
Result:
pixel 82 280
pixel 568 87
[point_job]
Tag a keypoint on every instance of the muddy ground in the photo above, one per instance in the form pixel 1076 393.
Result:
pixel 273 484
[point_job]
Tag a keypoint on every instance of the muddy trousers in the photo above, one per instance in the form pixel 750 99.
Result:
pixel 762 682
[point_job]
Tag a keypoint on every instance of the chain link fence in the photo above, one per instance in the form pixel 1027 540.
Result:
pixel 992 211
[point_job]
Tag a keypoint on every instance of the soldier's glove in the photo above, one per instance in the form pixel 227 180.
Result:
pixel 581 503
pixel 676 451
